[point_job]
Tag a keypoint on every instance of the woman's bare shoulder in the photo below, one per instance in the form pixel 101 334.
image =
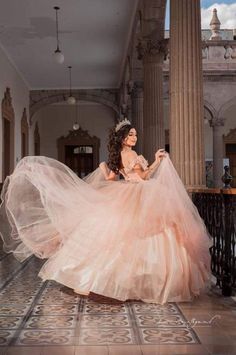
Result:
pixel 128 155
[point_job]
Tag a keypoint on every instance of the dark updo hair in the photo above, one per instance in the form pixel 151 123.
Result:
pixel 115 146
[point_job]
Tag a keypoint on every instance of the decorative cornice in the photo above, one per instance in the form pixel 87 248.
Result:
pixel 81 134
pixel 230 137
pixel 217 122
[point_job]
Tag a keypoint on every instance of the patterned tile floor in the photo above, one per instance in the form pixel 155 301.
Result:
pixel 47 318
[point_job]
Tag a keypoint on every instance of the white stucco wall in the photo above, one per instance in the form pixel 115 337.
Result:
pixel 55 121
pixel 10 77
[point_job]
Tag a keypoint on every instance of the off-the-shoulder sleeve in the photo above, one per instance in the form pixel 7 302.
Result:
pixel 138 160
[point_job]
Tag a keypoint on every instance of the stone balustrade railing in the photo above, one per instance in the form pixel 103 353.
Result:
pixel 216 55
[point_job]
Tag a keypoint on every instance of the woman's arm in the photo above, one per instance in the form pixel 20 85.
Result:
pixel 112 176
pixel 159 155
pixel 145 174
pixel 108 174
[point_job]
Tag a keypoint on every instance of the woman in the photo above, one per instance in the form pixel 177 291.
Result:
pixel 139 237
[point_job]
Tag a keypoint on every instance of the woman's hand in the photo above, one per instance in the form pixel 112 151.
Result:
pixel 161 153
pixel 108 174
pixel 103 165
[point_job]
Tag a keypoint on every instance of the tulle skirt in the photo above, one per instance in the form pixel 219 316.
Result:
pixel 126 240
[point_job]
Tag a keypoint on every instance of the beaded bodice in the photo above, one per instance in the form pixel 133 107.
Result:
pixel 128 171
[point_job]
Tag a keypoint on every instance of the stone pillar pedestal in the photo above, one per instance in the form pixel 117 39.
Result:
pixel 218 151
pixel 186 92
pixel 137 114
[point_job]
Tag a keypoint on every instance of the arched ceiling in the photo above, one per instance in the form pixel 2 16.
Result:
pixel 94 36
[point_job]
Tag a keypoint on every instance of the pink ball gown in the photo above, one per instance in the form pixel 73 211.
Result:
pixel 126 239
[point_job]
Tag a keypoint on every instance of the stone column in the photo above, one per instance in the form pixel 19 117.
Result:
pixel 218 151
pixel 152 53
pixel 186 92
pixel 137 113
pixel 129 113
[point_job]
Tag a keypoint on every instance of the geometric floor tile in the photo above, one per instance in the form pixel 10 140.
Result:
pixel 133 323
pixel 56 296
pixel 168 336
pixel 36 314
pixel 47 322
pixel 55 310
pixel 10 322
pixel 5 336
pixel 13 309
pixel 104 321
pixel 33 313
pixel 46 337
pixel 106 336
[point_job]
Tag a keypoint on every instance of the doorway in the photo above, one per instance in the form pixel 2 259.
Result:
pixel 79 151
pixel 80 159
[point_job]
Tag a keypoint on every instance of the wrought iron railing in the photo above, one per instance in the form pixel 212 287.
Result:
pixel 217 208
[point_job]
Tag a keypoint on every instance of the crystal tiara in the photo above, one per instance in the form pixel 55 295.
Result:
pixel 121 124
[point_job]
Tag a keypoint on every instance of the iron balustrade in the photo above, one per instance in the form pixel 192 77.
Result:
pixel 217 207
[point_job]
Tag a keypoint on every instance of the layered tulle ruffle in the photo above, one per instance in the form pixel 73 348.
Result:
pixel 126 240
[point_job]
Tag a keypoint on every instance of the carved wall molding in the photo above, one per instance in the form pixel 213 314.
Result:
pixel 7 107
pixel 230 137
pixel 42 98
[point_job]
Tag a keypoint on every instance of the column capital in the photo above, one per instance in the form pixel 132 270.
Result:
pixel 217 122
pixel 152 47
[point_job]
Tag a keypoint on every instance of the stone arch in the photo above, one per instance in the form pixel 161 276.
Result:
pixel 209 107
pixel 8 134
pixel 24 134
pixel 42 98
pixel 225 106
